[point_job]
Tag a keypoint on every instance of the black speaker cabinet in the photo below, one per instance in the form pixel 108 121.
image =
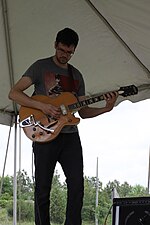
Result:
pixel 131 211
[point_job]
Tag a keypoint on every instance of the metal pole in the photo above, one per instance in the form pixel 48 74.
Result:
pixel 148 186
pixel 2 180
pixel 96 203
pixel 15 176
pixel 19 175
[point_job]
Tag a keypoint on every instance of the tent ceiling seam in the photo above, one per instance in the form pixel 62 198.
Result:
pixel 118 36
pixel 8 47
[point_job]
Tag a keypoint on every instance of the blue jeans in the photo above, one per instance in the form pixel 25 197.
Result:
pixel 65 149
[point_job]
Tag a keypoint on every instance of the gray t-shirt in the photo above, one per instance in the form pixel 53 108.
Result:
pixel 49 79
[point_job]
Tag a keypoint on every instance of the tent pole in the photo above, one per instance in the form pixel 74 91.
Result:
pixel 15 176
pixel 96 202
pixel 148 185
pixel 2 181
pixel 8 47
pixel 19 181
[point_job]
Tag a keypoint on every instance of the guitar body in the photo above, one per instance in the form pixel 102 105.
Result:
pixel 41 133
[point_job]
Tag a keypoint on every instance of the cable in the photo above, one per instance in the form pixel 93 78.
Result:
pixel 105 221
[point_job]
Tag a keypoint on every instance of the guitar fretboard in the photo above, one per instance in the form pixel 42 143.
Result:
pixel 89 101
pixel 123 91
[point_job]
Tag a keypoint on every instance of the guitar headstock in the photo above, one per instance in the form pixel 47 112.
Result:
pixel 128 90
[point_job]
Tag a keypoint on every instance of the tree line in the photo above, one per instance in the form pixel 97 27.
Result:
pixel 25 198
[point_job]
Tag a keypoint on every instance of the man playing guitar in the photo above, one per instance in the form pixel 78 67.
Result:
pixel 51 77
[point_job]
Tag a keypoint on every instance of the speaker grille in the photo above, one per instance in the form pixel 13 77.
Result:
pixel 131 211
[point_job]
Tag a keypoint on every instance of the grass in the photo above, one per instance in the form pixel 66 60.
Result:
pixel 31 223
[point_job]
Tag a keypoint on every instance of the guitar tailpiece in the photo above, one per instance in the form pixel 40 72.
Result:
pixel 29 121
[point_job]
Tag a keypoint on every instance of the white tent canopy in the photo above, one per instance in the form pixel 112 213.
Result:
pixel 114 47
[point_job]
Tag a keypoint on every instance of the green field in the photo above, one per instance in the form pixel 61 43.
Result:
pixel 32 223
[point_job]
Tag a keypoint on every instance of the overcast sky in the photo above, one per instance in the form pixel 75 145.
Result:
pixel 120 139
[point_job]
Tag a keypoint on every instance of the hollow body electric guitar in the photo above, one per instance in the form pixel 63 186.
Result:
pixel 43 128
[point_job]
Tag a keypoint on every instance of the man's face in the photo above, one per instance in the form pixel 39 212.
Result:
pixel 64 52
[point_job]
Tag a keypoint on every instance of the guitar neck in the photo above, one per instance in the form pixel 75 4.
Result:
pixel 83 103
pixel 123 91
pixel 94 99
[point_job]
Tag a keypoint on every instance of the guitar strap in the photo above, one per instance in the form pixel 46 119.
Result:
pixel 72 79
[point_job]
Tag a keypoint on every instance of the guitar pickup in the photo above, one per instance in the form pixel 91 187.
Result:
pixel 63 109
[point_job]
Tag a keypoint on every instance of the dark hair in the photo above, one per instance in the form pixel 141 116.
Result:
pixel 68 37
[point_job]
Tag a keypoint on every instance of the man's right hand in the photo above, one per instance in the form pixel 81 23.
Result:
pixel 51 110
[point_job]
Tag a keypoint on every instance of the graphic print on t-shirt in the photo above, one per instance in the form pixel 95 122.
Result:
pixel 55 83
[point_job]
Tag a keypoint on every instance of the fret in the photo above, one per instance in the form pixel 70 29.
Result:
pixel 96 99
pixel 84 103
pixel 78 104
pixel 99 98
pixel 91 100
pixel 72 106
